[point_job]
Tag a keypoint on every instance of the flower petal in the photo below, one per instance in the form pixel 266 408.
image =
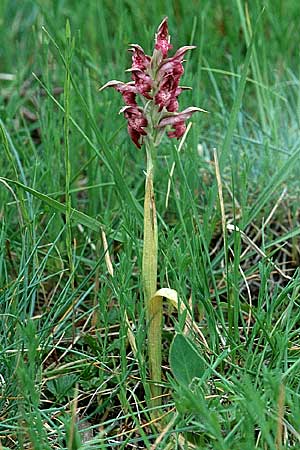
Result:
pixel 175 118
pixel 111 83
pixel 162 38
pixel 173 66
pixel 128 90
pixel 139 59
pixel 181 52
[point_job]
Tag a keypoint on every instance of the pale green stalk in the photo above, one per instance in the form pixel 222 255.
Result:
pixel 149 274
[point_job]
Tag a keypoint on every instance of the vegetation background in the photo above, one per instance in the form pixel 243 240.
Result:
pixel 70 377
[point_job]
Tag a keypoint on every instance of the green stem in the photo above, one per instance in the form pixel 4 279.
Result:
pixel 67 149
pixel 149 273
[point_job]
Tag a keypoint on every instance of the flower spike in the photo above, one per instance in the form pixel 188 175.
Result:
pixel 155 81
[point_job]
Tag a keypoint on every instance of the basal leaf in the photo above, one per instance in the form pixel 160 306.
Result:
pixel 185 361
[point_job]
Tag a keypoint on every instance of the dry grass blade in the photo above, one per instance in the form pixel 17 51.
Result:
pixel 7 77
pixel 106 254
pixel 73 420
pixel 164 432
pixel 252 244
pixel 110 269
pixel 249 295
pixel 257 236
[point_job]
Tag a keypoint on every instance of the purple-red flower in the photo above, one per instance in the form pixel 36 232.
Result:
pixel 162 38
pixel 136 123
pixel 177 120
pixel 173 66
pixel 167 94
pixel 128 91
pixel 155 80
pixel 142 82
pixel 139 59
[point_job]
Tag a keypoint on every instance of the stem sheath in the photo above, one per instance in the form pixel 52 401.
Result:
pixel 153 309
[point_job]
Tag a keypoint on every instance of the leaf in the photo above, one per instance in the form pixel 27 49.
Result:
pixel 62 387
pixel 185 361
pixel 75 215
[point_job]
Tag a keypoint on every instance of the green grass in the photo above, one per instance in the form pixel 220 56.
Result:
pixel 69 378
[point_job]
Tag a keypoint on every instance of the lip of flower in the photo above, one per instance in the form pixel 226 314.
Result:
pixel 178 130
pixel 136 123
pixel 143 82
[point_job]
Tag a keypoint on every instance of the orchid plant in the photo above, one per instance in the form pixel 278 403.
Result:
pixel 155 83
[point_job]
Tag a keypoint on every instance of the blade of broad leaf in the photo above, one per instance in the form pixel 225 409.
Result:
pixel 76 216
pixel 185 361
pixel 13 157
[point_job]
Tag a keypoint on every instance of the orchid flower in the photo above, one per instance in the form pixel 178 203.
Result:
pixel 151 109
pixel 155 80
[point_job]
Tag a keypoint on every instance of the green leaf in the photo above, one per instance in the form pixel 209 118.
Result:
pixel 185 361
pixel 62 387
pixel 68 30
pixel 77 216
